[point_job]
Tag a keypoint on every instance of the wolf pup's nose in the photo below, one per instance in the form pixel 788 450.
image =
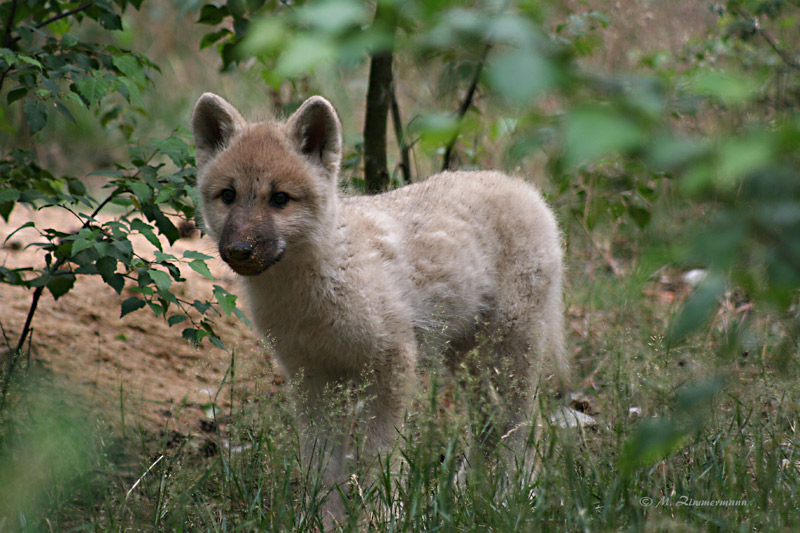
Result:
pixel 239 251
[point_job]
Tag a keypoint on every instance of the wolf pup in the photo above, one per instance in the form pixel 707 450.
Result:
pixel 353 289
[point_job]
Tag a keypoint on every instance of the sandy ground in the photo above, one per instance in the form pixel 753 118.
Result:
pixel 136 363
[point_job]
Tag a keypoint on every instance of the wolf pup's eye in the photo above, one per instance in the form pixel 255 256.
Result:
pixel 228 196
pixel 279 199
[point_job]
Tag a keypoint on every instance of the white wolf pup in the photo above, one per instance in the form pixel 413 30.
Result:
pixel 352 289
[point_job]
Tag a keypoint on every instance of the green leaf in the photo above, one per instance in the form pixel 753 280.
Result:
pixel 200 267
pixel 93 88
pixel 216 341
pixel 238 312
pixel 698 308
pixel 272 79
pixel 35 114
pixel 5 125
pixel 30 61
pixel 728 87
pixel 130 91
pixel 194 335
pixel 654 440
pixel 110 20
pixel 16 93
pixel 107 266
pixel 593 132
pixel 130 305
pixel 168 297
pixel 6 209
pixel 13 276
pixel 212 15
pixel 640 215
pixel 116 282
pixel 521 74
pixel 122 250
pixel 9 57
pixel 130 66
pixel 227 301
pixel 266 35
pixel 694 397
pixel 202 307
pixel 22 227
pixel 193 254
pixel 304 53
pixel 164 224
pixel 176 319
pixel 211 38
pixel 175 148
pixel 145 229
pixel 9 195
pixel 162 280
pixel 739 157
pixel 161 257
pixel 60 284
pixel 59 27
pixel 68 40
pixel 26 34
pixel 157 309
pixel 236 8
pixel 333 17
pixel 80 245
pixel 436 130
pixel 668 153
pixel 61 108
pixel 165 195
pixel 108 173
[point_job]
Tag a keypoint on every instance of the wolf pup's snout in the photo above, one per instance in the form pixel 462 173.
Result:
pixel 251 259
pixel 249 244
pixel 240 251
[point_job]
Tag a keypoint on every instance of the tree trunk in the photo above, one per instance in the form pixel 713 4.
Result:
pixel 379 98
pixel 376 174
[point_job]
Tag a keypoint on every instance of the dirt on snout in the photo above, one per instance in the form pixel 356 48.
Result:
pixel 137 363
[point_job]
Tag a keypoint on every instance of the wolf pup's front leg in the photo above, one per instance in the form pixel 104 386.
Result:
pixel 347 424
pixel 314 282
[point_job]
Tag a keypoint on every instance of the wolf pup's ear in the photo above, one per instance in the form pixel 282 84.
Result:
pixel 214 122
pixel 317 133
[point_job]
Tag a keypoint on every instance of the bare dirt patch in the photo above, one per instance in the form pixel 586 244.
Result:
pixel 136 364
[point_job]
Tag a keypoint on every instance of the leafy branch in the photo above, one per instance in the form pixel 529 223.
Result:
pixel 764 34
pixel 9 24
pixel 405 148
pixel 465 105
pixel 51 72
pixel 9 42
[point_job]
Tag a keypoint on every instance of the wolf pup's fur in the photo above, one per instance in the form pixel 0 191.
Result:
pixel 352 289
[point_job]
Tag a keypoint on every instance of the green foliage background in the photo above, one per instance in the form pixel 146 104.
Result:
pixel 691 158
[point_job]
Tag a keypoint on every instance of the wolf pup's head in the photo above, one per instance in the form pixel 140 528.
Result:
pixel 266 187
